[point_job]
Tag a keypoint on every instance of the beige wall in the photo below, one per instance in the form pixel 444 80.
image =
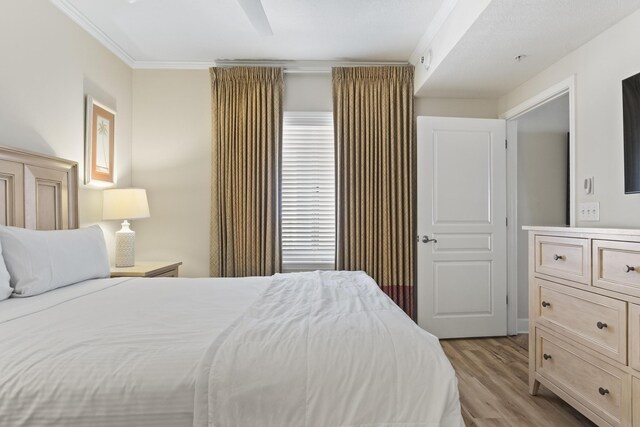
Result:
pixel 451 107
pixel 308 92
pixel 48 65
pixel 172 160
pixel 598 66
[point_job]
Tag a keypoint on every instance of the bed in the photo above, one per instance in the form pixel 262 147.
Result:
pixel 299 349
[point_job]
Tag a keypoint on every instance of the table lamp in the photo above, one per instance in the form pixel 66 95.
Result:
pixel 125 204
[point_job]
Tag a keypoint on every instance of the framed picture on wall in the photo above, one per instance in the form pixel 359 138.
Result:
pixel 99 143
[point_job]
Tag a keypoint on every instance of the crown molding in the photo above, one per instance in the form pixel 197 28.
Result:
pixel 72 12
pixel 290 66
pixel 172 65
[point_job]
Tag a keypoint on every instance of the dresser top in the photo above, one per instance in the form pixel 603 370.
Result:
pixel 583 230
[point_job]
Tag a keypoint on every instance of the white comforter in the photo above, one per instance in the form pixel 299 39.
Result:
pixel 314 349
pixel 326 349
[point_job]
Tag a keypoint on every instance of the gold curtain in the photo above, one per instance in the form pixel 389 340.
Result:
pixel 245 171
pixel 375 176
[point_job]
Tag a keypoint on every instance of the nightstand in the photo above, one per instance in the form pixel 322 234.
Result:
pixel 148 269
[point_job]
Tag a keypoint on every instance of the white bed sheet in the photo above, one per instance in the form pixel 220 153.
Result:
pixel 113 351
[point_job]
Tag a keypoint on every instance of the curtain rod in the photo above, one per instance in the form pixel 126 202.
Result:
pixel 291 66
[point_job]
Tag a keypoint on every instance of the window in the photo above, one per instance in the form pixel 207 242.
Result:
pixel 308 192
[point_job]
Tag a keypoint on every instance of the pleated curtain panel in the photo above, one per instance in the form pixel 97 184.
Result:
pixel 246 169
pixel 375 176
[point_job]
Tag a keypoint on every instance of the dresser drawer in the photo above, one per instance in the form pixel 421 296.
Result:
pixel 616 266
pixel 602 388
pixel 564 257
pixel 594 320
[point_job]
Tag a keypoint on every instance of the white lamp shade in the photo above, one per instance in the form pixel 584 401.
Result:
pixel 125 203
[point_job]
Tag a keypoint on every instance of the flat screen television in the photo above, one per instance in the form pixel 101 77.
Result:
pixel 631 125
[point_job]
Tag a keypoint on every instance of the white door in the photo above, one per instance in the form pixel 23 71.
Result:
pixel 462 241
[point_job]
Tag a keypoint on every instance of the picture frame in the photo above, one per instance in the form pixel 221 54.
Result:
pixel 99 143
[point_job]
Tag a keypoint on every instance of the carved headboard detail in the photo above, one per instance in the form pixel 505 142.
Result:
pixel 37 191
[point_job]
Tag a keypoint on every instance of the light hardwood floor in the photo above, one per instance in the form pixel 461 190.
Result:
pixel 492 378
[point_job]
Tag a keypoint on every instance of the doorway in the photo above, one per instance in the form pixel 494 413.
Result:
pixel 543 181
pixel 535 118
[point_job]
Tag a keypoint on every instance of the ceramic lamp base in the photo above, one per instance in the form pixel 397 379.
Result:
pixel 125 246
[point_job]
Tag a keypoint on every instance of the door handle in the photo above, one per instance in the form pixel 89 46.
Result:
pixel 426 239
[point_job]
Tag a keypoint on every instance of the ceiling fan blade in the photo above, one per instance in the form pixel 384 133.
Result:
pixel 255 12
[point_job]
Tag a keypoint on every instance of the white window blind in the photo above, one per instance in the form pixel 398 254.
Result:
pixel 308 192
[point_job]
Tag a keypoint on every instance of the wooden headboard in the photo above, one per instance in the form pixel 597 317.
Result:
pixel 36 191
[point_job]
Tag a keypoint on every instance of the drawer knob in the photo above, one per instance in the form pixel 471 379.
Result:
pixel 546 304
pixel 628 268
pixel 603 391
pixel 558 257
pixel 601 325
pixel 546 356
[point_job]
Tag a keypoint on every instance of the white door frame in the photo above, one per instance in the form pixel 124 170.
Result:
pixel 566 86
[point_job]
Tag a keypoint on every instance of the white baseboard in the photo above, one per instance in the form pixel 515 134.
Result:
pixel 523 326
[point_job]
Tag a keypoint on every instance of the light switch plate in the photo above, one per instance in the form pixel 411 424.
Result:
pixel 589 211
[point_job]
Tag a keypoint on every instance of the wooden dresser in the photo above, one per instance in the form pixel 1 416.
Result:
pixel 584 320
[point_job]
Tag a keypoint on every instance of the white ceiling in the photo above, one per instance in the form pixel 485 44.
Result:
pixel 195 33
pixel 167 32
pixel 481 64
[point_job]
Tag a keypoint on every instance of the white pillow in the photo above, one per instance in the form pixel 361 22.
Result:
pixel 39 261
pixel 5 286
